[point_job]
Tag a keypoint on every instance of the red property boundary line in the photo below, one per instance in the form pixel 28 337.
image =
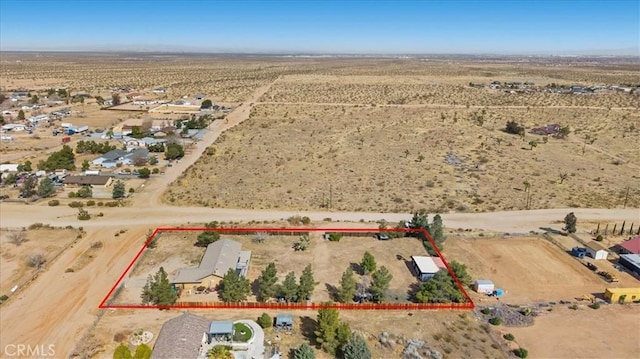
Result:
pixel 256 305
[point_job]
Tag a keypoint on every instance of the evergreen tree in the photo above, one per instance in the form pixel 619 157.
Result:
pixel 233 287
pixel 330 332
pixel 368 263
pixel 357 348
pixel 304 351
pixel 85 165
pixel 85 192
pixel 289 287
pixel 267 287
pixel 265 321
pixel 437 231
pixel 20 115
pixel 158 290
pixel 118 190
pixel 570 222
pixel 380 284
pixel 307 284
pixel 46 188
pixel 347 287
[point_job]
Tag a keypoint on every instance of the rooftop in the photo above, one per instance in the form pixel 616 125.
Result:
pixel 284 319
pixel 87 180
pixel 218 258
pixel 180 337
pixel 425 264
pixel 633 258
pixel 221 327
pixel 593 245
pixel 632 245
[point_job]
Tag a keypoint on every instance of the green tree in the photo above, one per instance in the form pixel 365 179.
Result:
pixel 143 351
pixel 122 352
pixel 206 104
pixel 85 192
pixel 330 332
pixel 368 263
pixel 289 287
pixel 34 99
pixel 347 287
pixel 307 284
pixel 420 220
pixel 267 282
pixel 28 187
pixel 220 352
pixel 10 179
pixel 265 321
pixel 25 167
pixel 115 99
pixel 514 128
pixel 46 188
pixel 563 132
pixel 206 238
pixel 441 288
pixel 62 93
pixel 380 281
pixel 234 288
pixel 304 351
pixel 173 151
pixel 62 159
pixel 460 270
pixel 532 144
pixel 570 222
pixel 153 160
pixel 158 290
pixel 357 348
pixel 144 172
pixel 20 115
pixel 118 190
pixel 85 165
pixel 437 230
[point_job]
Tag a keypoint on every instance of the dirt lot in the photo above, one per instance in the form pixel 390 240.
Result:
pixel 14 269
pixel 455 334
pixel 564 332
pixel 530 270
pixel 328 261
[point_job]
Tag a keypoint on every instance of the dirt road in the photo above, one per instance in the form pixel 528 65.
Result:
pixel 19 215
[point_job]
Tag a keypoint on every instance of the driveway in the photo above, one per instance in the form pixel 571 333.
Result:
pixel 256 343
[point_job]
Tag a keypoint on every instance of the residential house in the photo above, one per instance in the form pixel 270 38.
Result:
pixel 14 127
pixel 133 95
pixel 93 181
pixel 132 157
pixel 109 159
pixel 7 167
pixel 159 90
pixel 39 120
pixel 181 337
pixel 199 96
pixel 218 258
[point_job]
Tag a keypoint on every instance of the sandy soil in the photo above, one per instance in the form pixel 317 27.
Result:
pixel 530 270
pixel 611 332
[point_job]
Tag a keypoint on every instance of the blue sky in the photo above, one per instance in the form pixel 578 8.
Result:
pixel 515 27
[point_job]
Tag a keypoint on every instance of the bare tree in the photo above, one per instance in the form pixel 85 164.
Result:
pixel 18 237
pixel 563 176
pixel 36 260
pixel 260 237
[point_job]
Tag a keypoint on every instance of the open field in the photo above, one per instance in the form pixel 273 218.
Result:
pixel 530 270
pixel 394 159
pixel 14 267
pixel 328 261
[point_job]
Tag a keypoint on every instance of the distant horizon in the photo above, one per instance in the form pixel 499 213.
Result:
pixel 503 28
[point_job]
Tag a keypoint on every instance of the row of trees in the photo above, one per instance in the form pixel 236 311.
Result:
pixel 94 147
pixel 143 351
pixel 63 159
pixel 199 123
pixel 442 288
pixel 290 290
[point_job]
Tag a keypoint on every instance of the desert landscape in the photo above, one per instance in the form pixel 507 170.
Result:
pixel 347 142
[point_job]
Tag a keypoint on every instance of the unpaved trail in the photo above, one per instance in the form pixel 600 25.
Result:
pixel 152 194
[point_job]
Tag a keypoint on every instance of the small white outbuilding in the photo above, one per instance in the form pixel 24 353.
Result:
pixel 596 250
pixel 484 286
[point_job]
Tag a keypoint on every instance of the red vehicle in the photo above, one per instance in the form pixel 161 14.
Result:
pixel 66 139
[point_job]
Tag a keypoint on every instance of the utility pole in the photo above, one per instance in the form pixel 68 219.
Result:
pixel 330 196
pixel 626 197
